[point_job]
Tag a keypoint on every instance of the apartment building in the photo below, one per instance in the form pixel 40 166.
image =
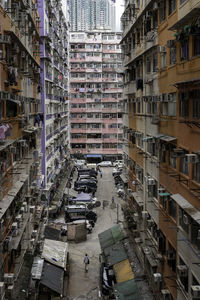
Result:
pixel 21 120
pixel 96 92
pixel 87 15
pixel 161 135
pixel 54 31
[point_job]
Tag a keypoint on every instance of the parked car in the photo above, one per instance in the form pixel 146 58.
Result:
pixel 117 162
pixel 87 171
pixel 117 171
pixel 90 179
pixel 85 186
pixel 87 176
pixel 78 212
pixel 105 163
pixel 79 163
pixel 106 279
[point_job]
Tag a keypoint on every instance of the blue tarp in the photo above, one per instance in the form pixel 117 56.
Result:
pixel 94 155
pixel 83 197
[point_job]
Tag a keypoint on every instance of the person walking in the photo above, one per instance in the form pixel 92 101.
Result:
pixel 86 262
pixel 101 173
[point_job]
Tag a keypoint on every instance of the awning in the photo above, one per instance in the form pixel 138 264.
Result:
pixel 94 155
pixel 187 207
pixel 191 15
pixel 123 178
pixel 127 290
pixel 55 252
pixel 123 271
pixel 146 138
pixel 52 277
pixel 115 253
pixel 164 194
pixel 111 236
pixel 189 81
pixel 167 138
pixel 37 267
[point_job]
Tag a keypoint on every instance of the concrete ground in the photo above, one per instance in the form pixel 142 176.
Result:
pixel 85 286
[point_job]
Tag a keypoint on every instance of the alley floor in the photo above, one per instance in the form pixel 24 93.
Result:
pixel 85 286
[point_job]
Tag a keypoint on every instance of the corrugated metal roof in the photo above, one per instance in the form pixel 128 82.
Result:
pixel 127 290
pixel 115 253
pixel 111 236
pixel 123 271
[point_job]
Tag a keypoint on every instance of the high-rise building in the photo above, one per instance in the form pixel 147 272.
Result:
pixel 54 30
pixel 21 122
pixel 86 15
pixel 161 49
pixel 96 91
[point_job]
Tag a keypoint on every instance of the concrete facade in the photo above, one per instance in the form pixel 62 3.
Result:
pixel 161 63
pixel 96 92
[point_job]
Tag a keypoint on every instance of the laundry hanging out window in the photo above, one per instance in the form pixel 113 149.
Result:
pixel 11 109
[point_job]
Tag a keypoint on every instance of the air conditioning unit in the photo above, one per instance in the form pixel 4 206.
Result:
pixel 161 49
pixel 135 217
pixel 32 209
pixel 23 54
pixel 25 205
pixel 185 219
pixel 182 270
pixel 150 181
pixel 195 291
pixel 10 291
pixel 9 278
pixel 166 295
pixel 32 242
pixel 34 234
pixel 161 190
pixel 155 6
pixel 14 226
pixel 157 277
pixel 18 219
pixel 191 158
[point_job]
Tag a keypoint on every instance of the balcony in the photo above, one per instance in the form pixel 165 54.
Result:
pixel 78 130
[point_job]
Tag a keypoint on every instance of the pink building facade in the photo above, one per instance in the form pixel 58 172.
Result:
pixel 96 86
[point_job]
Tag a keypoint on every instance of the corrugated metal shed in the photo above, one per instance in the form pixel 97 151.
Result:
pixel 127 290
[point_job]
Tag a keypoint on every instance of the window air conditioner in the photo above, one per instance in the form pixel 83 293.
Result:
pixel 25 205
pixel 150 223
pixel 195 291
pixel 9 278
pixel 135 217
pixel 32 209
pixel 182 270
pixel 34 234
pixel 148 14
pixel 157 277
pixel 150 181
pixel 14 226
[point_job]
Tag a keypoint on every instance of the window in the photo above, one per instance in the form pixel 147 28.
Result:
pixel 185 49
pixel 148 65
pixel 163 59
pixel 152 148
pixel 172 159
pixel 196 45
pixel 184 166
pixel 155 62
pixel 172 208
pixel 162 10
pixel 11 109
pixel 196 108
pixel 184 106
pixel 195 229
pixel 172 105
pixel 171 6
pixel 172 55
pixel 196 172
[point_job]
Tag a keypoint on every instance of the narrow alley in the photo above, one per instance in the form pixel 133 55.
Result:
pixel 85 286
